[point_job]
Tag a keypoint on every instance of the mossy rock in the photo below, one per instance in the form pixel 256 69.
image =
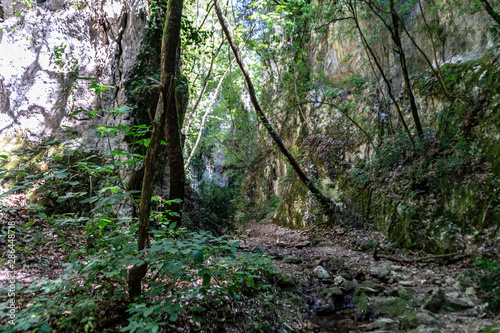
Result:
pixel 361 302
pixel 390 305
pixel 416 319
pixel 296 301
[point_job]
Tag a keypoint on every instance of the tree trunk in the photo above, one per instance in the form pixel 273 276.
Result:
pixel 163 121
pixel 397 40
pixel 494 14
pixel 352 8
pixel 328 205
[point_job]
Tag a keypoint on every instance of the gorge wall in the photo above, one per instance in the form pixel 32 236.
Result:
pixel 427 200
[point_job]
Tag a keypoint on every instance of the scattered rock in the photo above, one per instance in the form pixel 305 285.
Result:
pixel 458 304
pixel 380 272
pixel 321 273
pixel 325 310
pixel 346 276
pixel 329 295
pixel 384 324
pixel 417 319
pixel 292 260
pixel 436 301
pixel 373 285
pixel 338 280
pixel 390 305
pixel 280 243
pixel 450 281
pixel 406 293
pixel 484 325
pixel 366 290
pixel 314 263
pixel 470 291
pixel 348 286
pixel 409 283
pixel 302 245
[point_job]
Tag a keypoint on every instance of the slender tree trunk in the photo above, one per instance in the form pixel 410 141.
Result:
pixel 380 69
pixel 207 111
pixel 164 120
pixel 328 205
pixel 192 113
pixel 404 67
pixel 494 14
pixel 169 66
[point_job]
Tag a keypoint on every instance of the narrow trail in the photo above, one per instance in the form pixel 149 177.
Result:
pixel 339 288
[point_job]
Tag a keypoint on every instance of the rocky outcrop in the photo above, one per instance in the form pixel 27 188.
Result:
pixel 332 146
pixel 53 56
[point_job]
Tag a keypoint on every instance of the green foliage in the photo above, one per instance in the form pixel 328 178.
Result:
pixel 65 60
pixel 212 208
pixel 489 282
pixel 249 210
pixel 208 265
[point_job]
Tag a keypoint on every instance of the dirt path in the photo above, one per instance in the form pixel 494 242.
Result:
pixel 341 289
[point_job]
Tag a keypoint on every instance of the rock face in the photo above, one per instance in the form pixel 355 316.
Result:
pixel 52 57
pixel 330 146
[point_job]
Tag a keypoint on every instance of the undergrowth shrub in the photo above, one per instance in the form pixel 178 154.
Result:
pixel 189 272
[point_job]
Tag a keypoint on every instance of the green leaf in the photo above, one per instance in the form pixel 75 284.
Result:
pixel 206 279
pixel 102 224
pixel 45 328
pixel 198 255
pixel 4 156
pixel 90 200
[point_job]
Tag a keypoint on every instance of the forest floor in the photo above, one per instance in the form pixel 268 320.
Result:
pixel 340 287
pixel 335 284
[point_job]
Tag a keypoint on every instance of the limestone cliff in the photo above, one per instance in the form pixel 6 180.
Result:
pixel 51 59
pixel 341 146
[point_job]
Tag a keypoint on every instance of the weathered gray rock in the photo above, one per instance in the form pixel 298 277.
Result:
pixel 458 304
pixel 348 286
pixel 314 263
pixel 338 280
pixel 373 285
pixel 384 324
pixel 482 325
pixel 416 319
pixel 329 295
pixel 369 291
pixel 406 293
pixel 281 243
pixel 321 273
pixel 425 329
pixel 37 92
pixel 380 272
pixel 470 291
pixel 436 301
pixel 292 260
pixel 302 245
